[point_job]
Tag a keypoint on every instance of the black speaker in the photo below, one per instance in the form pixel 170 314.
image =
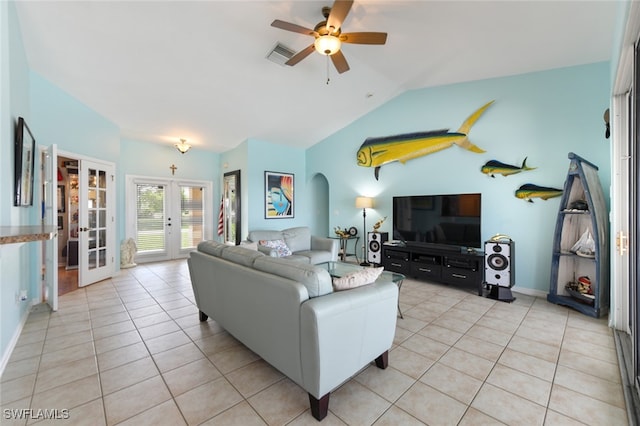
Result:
pixel 374 246
pixel 499 268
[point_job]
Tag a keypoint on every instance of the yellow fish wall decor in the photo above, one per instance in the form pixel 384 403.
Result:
pixel 378 151
pixel 495 167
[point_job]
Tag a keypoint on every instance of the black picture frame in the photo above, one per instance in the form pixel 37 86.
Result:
pixel 279 201
pixel 24 162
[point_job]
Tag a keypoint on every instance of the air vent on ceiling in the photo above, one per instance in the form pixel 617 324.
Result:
pixel 280 54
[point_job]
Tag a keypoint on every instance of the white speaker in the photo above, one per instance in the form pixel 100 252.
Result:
pixel 499 269
pixel 374 246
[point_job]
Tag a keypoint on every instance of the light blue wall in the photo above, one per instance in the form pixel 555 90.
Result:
pixel 15 274
pixel 542 116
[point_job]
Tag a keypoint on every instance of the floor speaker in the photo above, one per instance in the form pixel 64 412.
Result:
pixel 374 246
pixel 499 268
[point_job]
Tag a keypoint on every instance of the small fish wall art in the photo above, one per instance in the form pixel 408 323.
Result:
pixel 495 167
pixel 378 151
pixel 529 190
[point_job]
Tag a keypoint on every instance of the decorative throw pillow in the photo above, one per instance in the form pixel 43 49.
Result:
pixel 356 279
pixel 278 245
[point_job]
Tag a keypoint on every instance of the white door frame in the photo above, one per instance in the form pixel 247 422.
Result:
pixel 172 185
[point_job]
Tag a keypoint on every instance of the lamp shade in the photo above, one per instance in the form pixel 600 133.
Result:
pixel 327 44
pixel 364 202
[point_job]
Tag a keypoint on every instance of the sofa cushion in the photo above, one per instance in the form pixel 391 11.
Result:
pixel 241 255
pixel 316 279
pixel 298 239
pixel 265 235
pixel 280 247
pixel 356 278
pixel 212 247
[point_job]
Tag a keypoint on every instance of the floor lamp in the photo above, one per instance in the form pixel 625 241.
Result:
pixel 364 203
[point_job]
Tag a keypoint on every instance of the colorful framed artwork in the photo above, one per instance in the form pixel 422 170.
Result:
pixel 278 195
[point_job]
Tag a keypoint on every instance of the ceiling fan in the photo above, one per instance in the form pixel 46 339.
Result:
pixel 329 36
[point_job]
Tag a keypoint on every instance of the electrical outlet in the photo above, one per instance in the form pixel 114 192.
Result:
pixel 23 295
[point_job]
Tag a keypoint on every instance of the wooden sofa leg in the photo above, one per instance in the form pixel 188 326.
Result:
pixel 383 360
pixel 319 407
pixel 203 316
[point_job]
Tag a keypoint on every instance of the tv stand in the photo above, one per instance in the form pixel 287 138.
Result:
pixel 446 265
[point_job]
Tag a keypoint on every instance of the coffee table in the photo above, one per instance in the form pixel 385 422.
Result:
pixel 339 269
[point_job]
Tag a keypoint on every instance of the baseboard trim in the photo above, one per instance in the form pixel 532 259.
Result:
pixel 14 340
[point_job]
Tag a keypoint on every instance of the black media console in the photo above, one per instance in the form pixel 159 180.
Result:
pixel 434 264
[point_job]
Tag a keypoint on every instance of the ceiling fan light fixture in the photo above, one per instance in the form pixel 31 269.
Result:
pixel 183 146
pixel 327 44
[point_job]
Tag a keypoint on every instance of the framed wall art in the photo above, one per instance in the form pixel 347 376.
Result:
pixel 278 195
pixel 25 146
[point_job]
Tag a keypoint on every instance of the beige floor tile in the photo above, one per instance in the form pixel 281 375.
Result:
pixel 176 357
pixel 421 312
pixel 431 406
pixel 141 300
pixel 166 342
pixel 71 353
pixel 31 337
pixel 135 399
pixel 395 416
pixel 556 419
pixel 159 329
pixel 498 324
pixel 452 323
pixel 128 374
pixel 16 389
pixel 17 369
pixel 585 364
pixel 239 415
pixel 452 382
pixel 208 400
pixel 481 348
pixel 548 336
pixel 490 335
pixel 166 413
pixel 183 312
pixel 355 404
pixel 254 377
pixel 65 373
pixel 521 384
pixel 528 364
pixel 507 407
pixel 408 362
pixel 113 329
pixel 147 310
pixel 281 402
pixel 586 384
pixel 189 376
pixel 465 362
pixel 533 348
pixel 120 356
pixel 591 350
pixel 440 334
pixel 584 408
pixel 27 350
pixel 401 335
pixel 217 343
pixel 153 319
pixel 388 383
pixel 88 414
pixel 425 346
pixel 53 344
pixel 118 341
pixel 475 417
pixel 69 395
pixel 233 358
pixel 109 319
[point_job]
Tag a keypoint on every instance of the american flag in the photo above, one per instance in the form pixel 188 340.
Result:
pixel 221 217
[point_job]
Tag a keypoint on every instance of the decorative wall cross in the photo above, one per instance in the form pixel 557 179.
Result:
pixel 173 169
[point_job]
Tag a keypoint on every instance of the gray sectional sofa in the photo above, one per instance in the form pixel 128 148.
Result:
pixel 288 313
pixel 304 246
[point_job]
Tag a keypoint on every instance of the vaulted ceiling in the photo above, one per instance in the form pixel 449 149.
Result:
pixel 165 70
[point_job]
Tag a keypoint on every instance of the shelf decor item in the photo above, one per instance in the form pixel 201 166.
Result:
pixel 25 146
pixel 580 259
pixel 278 194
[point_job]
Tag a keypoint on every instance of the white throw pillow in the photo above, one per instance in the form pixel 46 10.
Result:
pixel 278 245
pixel 356 279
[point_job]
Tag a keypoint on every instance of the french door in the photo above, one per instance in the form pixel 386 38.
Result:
pixel 49 218
pixel 96 232
pixel 168 218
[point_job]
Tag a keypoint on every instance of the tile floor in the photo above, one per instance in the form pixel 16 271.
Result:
pixel 130 350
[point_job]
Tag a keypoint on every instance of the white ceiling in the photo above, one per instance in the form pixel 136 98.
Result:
pixel 164 70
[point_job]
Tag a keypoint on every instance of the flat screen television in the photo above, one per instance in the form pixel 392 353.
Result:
pixel 450 221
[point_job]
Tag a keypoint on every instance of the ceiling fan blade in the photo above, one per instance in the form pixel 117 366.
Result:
pixel 288 26
pixel 300 55
pixel 340 62
pixel 339 11
pixel 364 38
